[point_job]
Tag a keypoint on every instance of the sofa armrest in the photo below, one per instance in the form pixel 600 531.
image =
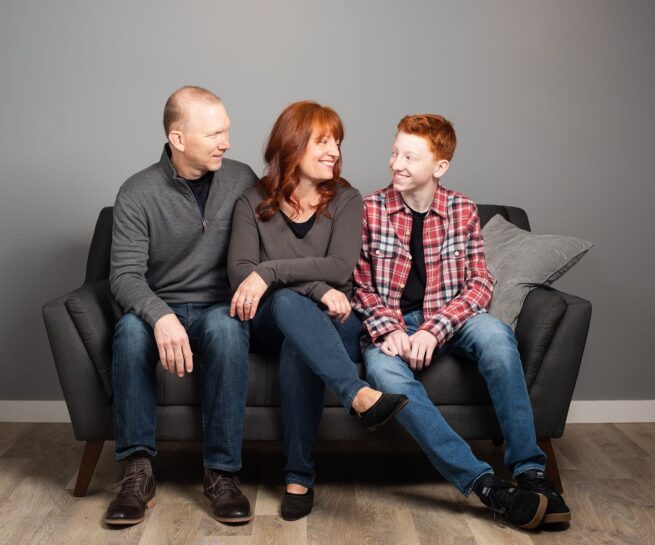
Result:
pixel 551 387
pixel 86 393
pixel 540 316
pixel 94 313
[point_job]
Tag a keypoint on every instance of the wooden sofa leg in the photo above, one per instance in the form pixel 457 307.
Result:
pixel 552 472
pixel 88 464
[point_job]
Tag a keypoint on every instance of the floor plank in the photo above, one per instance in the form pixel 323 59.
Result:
pixel 365 494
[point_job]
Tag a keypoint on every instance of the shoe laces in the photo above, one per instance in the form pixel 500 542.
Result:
pixel 499 495
pixel 220 483
pixel 541 485
pixel 132 483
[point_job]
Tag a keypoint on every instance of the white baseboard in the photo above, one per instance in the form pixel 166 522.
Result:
pixel 615 411
pixel 33 411
pixel 610 411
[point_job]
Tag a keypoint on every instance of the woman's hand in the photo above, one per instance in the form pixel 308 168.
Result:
pixel 337 303
pixel 246 298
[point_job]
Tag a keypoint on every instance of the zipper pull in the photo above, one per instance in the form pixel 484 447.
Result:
pixel 204 224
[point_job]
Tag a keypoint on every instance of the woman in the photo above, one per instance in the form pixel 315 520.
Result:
pixel 296 238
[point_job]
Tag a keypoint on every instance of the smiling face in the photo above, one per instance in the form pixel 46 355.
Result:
pixel 320 157
pixel 414 167
pixel 202 139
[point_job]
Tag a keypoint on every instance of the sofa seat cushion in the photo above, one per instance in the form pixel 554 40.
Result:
pixel 449 381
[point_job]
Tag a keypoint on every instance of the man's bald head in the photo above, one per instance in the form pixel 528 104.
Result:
pixel 179 103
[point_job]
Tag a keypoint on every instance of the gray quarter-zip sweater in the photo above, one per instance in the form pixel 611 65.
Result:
pixel 163 249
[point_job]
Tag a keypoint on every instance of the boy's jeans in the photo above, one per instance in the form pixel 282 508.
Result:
pixel 220 354
pixel 492 344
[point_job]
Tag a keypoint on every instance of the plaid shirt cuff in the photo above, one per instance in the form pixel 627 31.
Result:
pixel 379 326
pixel 440 326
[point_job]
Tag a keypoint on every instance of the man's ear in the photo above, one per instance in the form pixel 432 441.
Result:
pixel 176 138
pixel 441 168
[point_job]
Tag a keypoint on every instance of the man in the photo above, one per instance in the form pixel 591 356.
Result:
pixel 169 273
pixel 422 287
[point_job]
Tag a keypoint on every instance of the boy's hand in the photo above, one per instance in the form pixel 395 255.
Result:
pixel 423 345
pixel 397 343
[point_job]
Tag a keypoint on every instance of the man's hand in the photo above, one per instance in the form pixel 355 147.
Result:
pixel 423 345
pixel 173 345
pixel 397 343
pixel 338 305
pixel 246 298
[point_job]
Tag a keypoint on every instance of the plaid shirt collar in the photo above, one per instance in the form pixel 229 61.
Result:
pixel 395 202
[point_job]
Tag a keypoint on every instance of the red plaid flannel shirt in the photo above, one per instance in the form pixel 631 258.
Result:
pixel 458 283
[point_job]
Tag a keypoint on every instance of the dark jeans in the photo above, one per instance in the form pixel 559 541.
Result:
pixel 220 348
pixel 314 351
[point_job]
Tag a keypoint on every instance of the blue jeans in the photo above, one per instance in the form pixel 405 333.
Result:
pixel 314 351
pixel 220 348
pixel 491 343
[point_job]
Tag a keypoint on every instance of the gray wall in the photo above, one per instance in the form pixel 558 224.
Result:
pixel 552 101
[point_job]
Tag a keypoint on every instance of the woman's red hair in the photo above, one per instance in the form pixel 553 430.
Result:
pixel 286 146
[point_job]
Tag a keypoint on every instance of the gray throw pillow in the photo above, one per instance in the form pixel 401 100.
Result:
pixel 521 260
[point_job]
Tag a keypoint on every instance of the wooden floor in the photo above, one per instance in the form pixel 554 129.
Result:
pixel 362 497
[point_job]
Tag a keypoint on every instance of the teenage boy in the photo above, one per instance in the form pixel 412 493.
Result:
pixel 422 287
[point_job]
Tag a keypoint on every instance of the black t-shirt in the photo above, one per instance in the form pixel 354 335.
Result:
pixel 200 188
pixel 299 229
pixel 412 297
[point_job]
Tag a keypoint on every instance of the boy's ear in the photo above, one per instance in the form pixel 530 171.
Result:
pixel 441 168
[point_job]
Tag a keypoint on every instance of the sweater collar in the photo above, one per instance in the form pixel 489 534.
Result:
pixel 168 168
pixel 166 164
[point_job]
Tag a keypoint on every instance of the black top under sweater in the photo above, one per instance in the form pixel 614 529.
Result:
pixel 200 188
pixel 299 229
pixel 412 297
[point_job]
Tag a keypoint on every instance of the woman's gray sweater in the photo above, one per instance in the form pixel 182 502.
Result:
pixel 324 258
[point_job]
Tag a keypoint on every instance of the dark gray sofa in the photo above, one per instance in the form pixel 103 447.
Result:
pixel 551 331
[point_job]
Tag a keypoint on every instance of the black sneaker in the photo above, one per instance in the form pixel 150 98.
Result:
pixel 521 508
pixel 536 481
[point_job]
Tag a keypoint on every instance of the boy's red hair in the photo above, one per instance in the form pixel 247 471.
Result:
pixel 436 129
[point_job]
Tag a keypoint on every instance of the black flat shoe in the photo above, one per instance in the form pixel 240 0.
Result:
pixel 382 410
pixel 297 506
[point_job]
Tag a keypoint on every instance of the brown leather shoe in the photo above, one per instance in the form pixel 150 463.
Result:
pixel 137 493
pixel 227 501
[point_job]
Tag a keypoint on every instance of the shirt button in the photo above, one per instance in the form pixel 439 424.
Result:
pixel 407 232
pixel 377 252
pixel 410 257
pixel 457 253
pixel 402 286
